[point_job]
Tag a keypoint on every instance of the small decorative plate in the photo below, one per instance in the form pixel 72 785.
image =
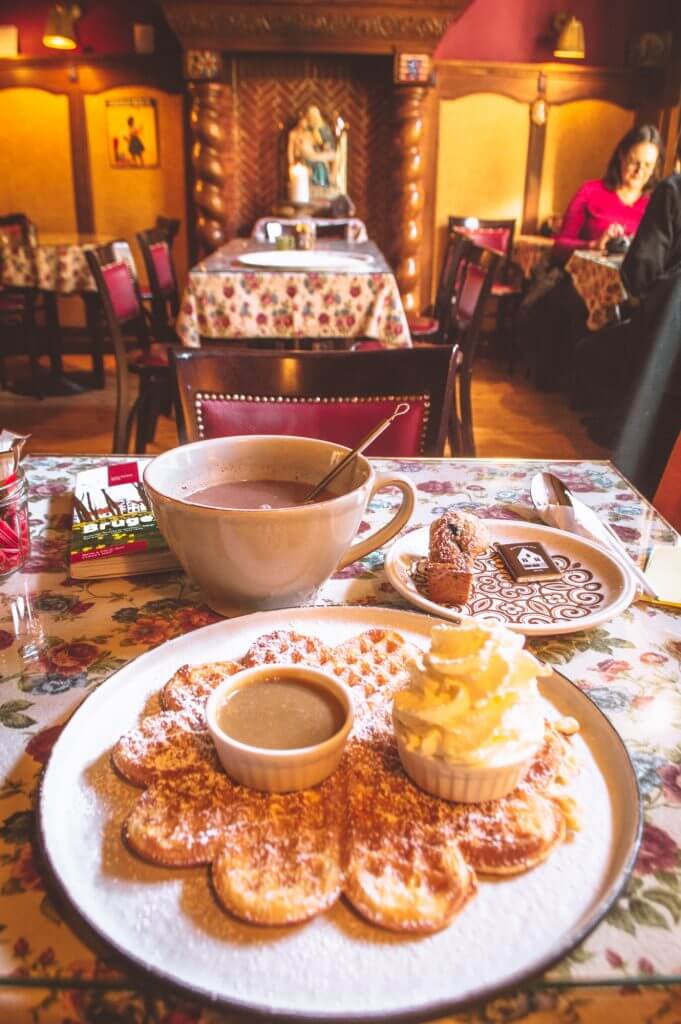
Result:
pixel 307 259
pixel 594 587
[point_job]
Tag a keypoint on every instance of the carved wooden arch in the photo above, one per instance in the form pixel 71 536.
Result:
pixel 227 31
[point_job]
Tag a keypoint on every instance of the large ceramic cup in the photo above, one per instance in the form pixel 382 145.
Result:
pixel 266 558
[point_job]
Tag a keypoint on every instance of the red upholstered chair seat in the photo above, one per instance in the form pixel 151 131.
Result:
pixel 422 325
pixel 342 420
pixel 156 356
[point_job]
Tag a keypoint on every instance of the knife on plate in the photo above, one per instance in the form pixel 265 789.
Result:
pixel 572 515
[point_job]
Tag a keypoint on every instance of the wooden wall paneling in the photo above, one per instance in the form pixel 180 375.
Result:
pixel 533 173
pixel 80 158
pixel 77 76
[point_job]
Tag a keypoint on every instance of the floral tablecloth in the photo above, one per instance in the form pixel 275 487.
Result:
pixel 52 264
pixel 60 638
pixel 530 250
pixel 223 299
pixel 597 280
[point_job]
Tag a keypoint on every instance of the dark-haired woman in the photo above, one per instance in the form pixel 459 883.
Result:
pixel 606 208
pixel 612 206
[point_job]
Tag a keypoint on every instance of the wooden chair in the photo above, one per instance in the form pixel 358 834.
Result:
pixel 434 325
pixel 335 396
pixel 473 288
pixel 170 226
pixel 507 289
pixel 20 306
pixel 163 291
pixel 124 318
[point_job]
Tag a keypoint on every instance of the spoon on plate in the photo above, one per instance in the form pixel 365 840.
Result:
pixel 400 410
pixel 558 507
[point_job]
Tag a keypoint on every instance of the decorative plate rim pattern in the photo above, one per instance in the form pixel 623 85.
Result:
pixel 414 545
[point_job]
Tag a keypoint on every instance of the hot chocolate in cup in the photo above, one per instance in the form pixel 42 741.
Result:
pixel 260 558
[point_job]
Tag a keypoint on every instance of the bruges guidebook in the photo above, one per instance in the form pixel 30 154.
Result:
pixel 114 532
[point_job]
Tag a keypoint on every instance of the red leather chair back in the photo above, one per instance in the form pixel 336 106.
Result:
pixel 331 395
pixel 160 254
pixel 122 292
pixel 344 421
pixel 469 295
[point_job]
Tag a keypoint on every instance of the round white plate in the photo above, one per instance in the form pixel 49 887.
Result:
pixel 595 585
pixel 336 966
pixel 307 259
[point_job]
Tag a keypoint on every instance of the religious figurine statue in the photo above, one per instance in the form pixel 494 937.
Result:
pixel 314 145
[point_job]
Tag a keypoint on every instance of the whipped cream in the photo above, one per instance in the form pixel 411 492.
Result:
pixel 472 698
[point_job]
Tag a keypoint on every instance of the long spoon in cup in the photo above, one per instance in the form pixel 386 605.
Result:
pixel 400 410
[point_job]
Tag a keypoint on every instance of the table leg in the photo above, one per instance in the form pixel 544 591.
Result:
pixel 55 383
pixel 53 339
pixel 94 329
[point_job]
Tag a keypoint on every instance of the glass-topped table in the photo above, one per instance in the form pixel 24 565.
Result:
pixel 61 638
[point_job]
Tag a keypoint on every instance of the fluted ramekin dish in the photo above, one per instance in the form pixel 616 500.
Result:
pixel 460 783
pixel 269 769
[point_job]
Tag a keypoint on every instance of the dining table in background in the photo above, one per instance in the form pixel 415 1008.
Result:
pixel 60 638
pixel 55 264
pixel 531 250
pixel 226 299
pixel 597 280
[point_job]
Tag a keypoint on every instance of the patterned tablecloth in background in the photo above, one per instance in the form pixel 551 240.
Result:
pixel 55 264
pixel 224 299
pixel 530 250
pixel 60 638
pixel 597 280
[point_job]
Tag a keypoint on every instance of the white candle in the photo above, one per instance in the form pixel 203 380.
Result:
pixel 299 184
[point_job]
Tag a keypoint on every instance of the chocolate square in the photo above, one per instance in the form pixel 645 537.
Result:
pixel 527 561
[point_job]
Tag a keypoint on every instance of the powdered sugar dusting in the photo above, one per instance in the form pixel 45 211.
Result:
pixel 336 964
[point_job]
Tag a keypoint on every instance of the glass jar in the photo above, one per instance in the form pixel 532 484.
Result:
pixel 15 542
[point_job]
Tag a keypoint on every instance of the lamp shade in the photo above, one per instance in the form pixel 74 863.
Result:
pixel 60 27
pixel 570 42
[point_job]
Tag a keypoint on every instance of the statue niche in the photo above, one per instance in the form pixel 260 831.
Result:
pixel 316 158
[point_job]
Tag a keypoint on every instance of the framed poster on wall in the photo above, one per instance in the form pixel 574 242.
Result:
pixel 132 133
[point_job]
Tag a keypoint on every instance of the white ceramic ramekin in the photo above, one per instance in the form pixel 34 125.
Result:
pixel 279 771
pixel 466 784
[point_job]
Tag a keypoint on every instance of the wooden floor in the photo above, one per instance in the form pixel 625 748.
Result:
pixel 511 419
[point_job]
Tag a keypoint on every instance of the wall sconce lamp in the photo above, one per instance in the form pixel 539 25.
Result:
pixel 60 27
pixel 570 37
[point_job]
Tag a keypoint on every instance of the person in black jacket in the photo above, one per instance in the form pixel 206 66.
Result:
pixel 655 251
pixel 650 415
pixel 629 374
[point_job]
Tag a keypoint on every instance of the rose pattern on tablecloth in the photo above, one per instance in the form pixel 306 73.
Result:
pixel 597 281
pixel 52 268
pixel 237 304
pixel 60 638
pixel 528 253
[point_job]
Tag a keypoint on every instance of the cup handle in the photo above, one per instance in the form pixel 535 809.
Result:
pixel 380 537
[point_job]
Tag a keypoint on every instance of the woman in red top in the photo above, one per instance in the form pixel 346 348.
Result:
pixel 612 207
